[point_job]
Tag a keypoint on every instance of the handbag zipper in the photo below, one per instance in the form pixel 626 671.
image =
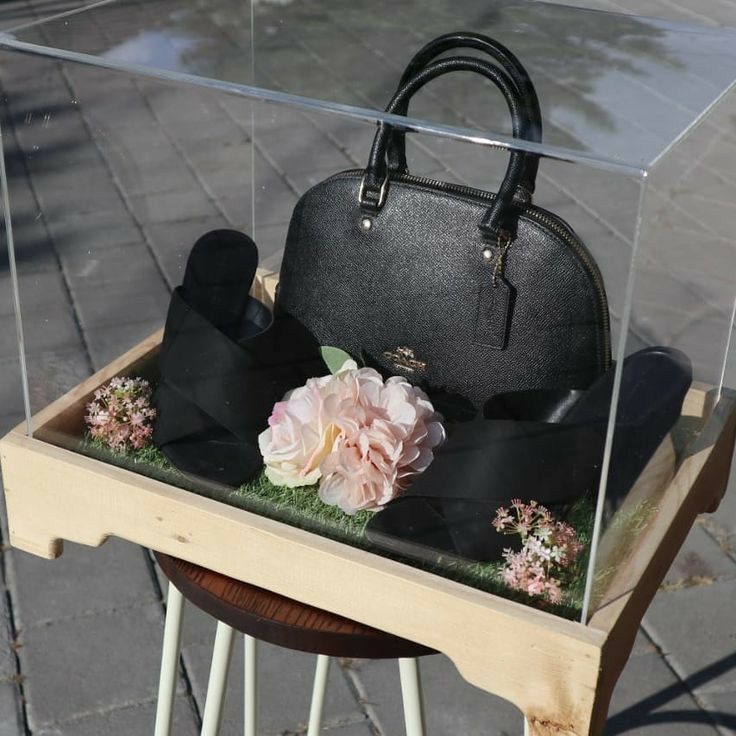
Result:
pixel 534 213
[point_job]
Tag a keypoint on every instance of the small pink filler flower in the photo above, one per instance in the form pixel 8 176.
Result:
pixel 362 439
pixel 121 415
pixel 549 548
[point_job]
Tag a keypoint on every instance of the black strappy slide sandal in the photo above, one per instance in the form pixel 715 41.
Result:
pixel 225 361
pixel 534 445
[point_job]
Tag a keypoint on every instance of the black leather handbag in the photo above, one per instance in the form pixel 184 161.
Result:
pixel 455 288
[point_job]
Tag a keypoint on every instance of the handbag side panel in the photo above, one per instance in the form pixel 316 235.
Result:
pixel 405 291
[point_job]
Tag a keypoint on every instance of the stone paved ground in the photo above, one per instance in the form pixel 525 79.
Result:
pixel 99 251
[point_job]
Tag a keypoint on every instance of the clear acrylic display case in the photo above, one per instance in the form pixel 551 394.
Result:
pixel 133 129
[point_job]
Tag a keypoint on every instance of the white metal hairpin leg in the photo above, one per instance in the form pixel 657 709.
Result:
pixel 411 692
pixel 216 686
pixel 217 683
pixel 250 717
pixel 527 729
pixel 169 661
pixel 318 694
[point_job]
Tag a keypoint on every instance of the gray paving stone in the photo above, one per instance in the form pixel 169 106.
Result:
pixel 704 655
pixel 210 130
pixel 722 707
pixel 121 302
pixel 58 194
pixel 303 149
pixel 11 720
pixel 93 230
pixel 52 374
pixel 48 319
pixel 32 247
pixel 49 375
pixel 699 561
pixel 112 576
pixel 650 700
pixel 82 666
pixel 106 344
pixel 270 240
pixel 274 203
pixel 272 263
pixel 304 180
pixel 285 681
pixel 451 705
pixel 363 728
pixel 173 104
pixel 130 263
pixel 45 331
pixel 11 397
pixel 172 206
pixel 141 179
pixel 643 645
pixel 136 720
pixel 8 667
pixel 140 150
pixel 7 422
pixel 722 524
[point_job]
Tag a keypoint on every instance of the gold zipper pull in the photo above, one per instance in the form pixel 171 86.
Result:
pixel 504 242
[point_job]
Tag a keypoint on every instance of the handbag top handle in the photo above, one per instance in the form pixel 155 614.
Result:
pixel 499 221
pixel 515 69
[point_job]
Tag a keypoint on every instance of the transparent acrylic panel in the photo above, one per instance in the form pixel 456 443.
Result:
pixel 614 88
pixel 127 170
pixel 112 178
pixel 127 173
pixel 678 346
pixel 12 411
pixel 16 15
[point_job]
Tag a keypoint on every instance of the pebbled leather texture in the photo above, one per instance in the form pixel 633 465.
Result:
pixel 413 280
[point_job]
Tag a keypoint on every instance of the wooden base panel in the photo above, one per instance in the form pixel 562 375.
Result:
pixel 559 673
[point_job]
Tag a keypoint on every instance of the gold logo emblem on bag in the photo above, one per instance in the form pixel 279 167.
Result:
pixel 403 358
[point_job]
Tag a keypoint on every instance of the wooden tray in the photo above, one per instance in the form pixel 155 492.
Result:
pixel 559 673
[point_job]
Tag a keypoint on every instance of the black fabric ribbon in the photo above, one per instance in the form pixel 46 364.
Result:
pixel 488 462
pixel 216 393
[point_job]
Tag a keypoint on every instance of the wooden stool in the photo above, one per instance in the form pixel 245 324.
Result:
pixel 262 615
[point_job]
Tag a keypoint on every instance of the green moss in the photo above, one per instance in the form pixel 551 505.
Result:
pixel 302 507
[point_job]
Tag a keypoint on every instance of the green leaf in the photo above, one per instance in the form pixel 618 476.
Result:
pixel 334 357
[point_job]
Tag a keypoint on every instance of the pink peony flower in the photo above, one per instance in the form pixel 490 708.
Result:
pixel 361 437
pixel 120 415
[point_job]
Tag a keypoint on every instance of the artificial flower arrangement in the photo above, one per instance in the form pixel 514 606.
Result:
pixel 356 441
pixel 120 415
pixel 361 438
pixel 549 549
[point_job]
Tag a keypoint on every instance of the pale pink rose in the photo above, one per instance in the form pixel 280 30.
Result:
pixel 300 434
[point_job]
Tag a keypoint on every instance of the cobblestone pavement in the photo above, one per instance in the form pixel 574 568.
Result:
pixel 107 199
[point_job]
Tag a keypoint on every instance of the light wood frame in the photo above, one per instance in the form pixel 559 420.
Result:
pixel 559 673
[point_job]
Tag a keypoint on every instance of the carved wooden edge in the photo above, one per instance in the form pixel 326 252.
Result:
pixel 538 661
pixel 530 657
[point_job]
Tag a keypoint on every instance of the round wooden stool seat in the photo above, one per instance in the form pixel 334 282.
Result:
pixel 273 618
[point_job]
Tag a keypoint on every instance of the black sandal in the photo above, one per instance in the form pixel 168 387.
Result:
pixel 225 361
pixel 534 445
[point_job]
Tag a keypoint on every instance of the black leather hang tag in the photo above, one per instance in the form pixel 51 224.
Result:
pixel 493 319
